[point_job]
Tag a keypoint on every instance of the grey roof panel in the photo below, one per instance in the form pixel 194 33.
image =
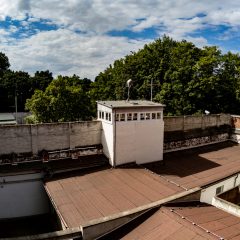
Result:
pixel 129 104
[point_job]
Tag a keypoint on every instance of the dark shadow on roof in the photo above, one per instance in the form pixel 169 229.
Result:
pixel 188 162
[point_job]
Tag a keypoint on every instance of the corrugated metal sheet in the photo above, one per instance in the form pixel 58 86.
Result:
pixel 80 199
pixel 204 222
pixel 200 166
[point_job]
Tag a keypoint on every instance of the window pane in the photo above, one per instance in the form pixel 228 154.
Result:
pixel 142 116
pixel 135 117
pixel 117 117
pixel 158 115
pixel 153 115
pixel 122 117
pixel 129 117
pixel 110 116
pixel 147 116
pixel 106 116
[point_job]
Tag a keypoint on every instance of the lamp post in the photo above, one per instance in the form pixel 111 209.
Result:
pixel 16 109
pixel 151 88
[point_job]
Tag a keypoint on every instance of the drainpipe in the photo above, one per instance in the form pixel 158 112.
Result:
pixel 235 180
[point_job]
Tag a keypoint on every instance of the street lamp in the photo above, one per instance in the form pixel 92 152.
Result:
pixel 16 110
pixel 129 84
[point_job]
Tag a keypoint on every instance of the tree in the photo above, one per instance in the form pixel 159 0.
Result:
pixel 14 84
pixel 4 63
pixel 65 99
pixel 41 80
pixel 187 79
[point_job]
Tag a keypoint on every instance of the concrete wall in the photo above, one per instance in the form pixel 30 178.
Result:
pixel 184 123
pixel 34 138
pixel 208 193
pixel 179 132
pixel 22 196
pixel 192 131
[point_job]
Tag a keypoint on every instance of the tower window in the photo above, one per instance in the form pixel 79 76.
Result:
pixel 147 116
pixel 135 116
pixel 122 117
pixel 129 116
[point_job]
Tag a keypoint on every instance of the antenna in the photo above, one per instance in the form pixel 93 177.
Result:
pixel 129 84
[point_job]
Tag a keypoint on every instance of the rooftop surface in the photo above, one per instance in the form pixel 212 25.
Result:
pixel 93 195
pixel 7 118
pixel 129 104
pixel 87 196
pixel 199 166
pixel 195 223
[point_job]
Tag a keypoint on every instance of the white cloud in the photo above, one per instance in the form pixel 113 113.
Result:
pixel 65 52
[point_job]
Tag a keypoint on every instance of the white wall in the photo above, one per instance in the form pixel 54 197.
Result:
pixel 107 136
pixel 22 196
pixel 139 141
pixel 108 141
pixel 208 194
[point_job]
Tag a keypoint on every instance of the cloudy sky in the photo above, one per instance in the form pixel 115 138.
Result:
pixel 85 36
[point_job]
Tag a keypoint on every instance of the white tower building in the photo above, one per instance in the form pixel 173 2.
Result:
pixel 132 131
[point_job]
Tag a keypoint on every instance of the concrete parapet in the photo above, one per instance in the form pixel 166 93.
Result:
pixel 185 123
pixel 51 136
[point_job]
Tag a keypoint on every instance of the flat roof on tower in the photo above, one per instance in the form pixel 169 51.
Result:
pixel 130 103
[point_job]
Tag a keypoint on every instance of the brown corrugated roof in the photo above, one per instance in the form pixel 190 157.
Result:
pixel 93 195
pixel 203 222
pixel 199 166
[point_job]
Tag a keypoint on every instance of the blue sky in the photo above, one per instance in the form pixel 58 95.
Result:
pixel 84 36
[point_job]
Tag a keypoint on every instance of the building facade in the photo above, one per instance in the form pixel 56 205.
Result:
pixel 129 131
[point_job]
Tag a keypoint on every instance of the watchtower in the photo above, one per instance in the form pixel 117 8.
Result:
pixel 132 131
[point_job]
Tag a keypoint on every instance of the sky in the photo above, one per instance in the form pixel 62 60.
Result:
pixel 84 37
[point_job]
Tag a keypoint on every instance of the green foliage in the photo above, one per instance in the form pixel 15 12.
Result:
pixel 22 85
pixel 65 99
pixel 31 119
pixel 4 63
pixel 187 79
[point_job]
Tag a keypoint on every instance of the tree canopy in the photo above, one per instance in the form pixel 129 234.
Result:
pixel 21 85
pixel 187 79
pixel 65 99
